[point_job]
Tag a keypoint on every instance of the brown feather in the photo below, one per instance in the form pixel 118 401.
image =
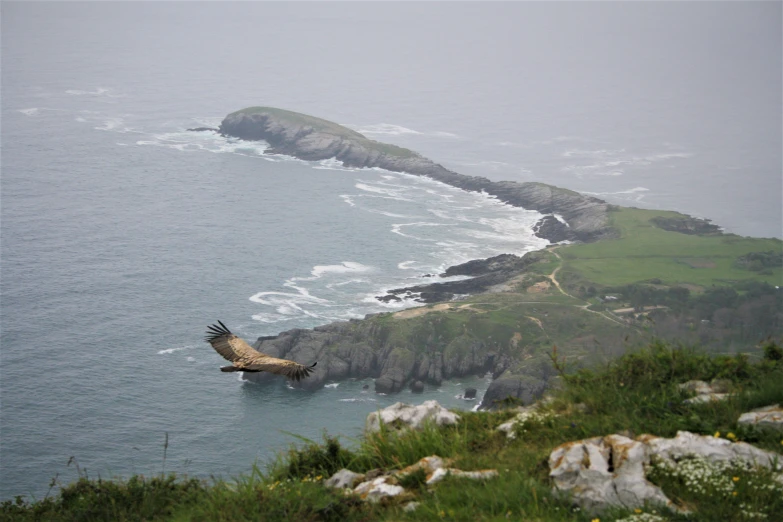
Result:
pixel 247 359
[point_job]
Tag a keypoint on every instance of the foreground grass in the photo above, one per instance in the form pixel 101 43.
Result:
pixel 635 394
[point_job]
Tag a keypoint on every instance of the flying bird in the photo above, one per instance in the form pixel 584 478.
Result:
pixel 246 359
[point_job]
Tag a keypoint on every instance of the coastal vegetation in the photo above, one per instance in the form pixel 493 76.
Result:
pixel 637 393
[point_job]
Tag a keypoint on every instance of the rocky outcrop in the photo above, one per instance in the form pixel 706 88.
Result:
pixel 387 484
pixel 311 138
pixel 768 417
pixel 525 388
pixel 717 390
pixel 605 472
pixel 414 417
pixel 486 275
pixel 374 348
pixel 686 225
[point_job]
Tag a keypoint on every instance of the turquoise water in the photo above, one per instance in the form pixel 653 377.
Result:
pixel 124 235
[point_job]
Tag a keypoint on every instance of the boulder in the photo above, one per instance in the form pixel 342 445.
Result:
pixel 390 382
pixel 524 387
pixel 604 472
pixel 345 478
pixel 417 387
pixel 717 390
pixel 411 416
pixel 376 489
pixel 470 393
pixel 770 417
pixel 714 449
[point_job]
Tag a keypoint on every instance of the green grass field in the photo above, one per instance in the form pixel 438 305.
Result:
pixel 645 251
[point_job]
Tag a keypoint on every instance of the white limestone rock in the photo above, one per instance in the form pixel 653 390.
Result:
pixel 605 471
pixel 410 507
pixel 345 478
pixel 706 397
pixel 714 449
pixel 611 471
pixel 374 490
pixel 442 473
pixel 705 392
pixel 410 415
pixel 766 417
pixel 428 464
pixel 697 387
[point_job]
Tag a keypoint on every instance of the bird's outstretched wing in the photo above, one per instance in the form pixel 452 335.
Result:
pixel 246 359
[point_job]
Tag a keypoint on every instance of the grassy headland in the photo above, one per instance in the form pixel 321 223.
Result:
pixel 297 119
pixel 635 394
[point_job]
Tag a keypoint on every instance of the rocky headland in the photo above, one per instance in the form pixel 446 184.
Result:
pixel 309 138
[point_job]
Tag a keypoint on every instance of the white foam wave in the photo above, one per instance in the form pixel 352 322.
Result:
pixel 349 282
pixel 360 399
pixel 32 111
pixel 333 164
pixel 633 194
pixel 406 265
pixel 176 349
pixel 342 268
pixel 100 91
pixel 332 385
pixel 397 229
pixel 303 295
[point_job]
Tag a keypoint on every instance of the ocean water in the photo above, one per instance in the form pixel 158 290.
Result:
pixel 124 235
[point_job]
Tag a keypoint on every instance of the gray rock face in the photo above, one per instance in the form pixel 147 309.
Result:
pixel 486 274
pixel 768 417
pixel 523 387
pixel 295 135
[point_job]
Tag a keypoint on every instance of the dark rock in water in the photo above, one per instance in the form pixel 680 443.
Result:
pixel 203 129
pixel 551 228
pixel 390 382
pixel 388 298
pixel 366 387
pixel 487 273
pixel 525 388
pixel 470 393
pixel 417 387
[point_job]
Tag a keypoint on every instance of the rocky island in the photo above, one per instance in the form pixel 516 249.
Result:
pixel 309 138
pixel 626 274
